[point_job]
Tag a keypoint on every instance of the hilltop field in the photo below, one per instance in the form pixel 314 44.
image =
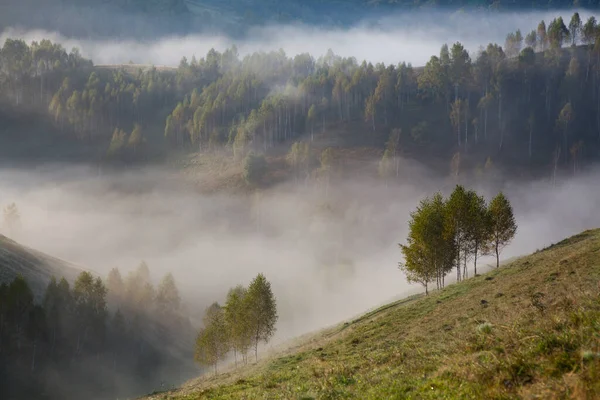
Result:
pixel 528 330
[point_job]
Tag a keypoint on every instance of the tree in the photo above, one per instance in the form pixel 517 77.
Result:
pixel 136 138
pixel 531 39
pixel 429 252
pixel 89 295
pixel 167 296
pixel 480 225
pixel 117 143
pixel 575 28
pixel 458 223
pixel 311 118
pixel 589 31
pixel 212 340
pixel 12 219
pixel 503 224
pixel 542 36
pixel 236 317
pixel 261 308
pixel 390 162
pixel 255 168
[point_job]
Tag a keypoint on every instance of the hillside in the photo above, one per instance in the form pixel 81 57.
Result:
pixel 36 267
pixel 527 330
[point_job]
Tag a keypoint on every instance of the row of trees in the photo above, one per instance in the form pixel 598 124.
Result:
pixel 247 319
pixel 448 233
pixel 117 336
pixel 511 103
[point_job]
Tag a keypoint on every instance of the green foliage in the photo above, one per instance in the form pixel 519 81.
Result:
pixel 236 317
pixel 261 309
pixel 255 168
pixel 429 252
pixel 502 223
pixel 212 342
pixel 448 233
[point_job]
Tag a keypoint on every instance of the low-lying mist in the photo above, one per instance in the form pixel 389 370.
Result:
pixel 327 258
pixel 410 37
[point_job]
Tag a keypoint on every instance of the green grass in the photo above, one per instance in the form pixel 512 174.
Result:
pixel 537 335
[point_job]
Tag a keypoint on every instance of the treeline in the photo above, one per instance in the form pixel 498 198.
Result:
pixel 448 233
pixel 247 319
pixel 532 103
pixel 92 339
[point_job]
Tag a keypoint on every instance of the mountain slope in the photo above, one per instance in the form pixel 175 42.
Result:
pixel 36 267
pixel 530 329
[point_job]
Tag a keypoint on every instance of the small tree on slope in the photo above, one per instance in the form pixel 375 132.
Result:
pixel 503 226
pixel 261 309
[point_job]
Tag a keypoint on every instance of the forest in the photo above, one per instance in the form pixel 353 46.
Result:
pixel 93 339
pixel 529 106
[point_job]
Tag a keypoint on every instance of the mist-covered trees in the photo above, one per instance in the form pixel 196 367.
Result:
pixel 89 331
pixel 480 104
pixel 247 319
pixel 448 233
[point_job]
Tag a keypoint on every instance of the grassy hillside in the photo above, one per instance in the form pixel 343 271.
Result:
pixel 530 329
pixel 36 267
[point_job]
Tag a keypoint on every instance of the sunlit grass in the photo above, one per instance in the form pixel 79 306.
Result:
pixel 530 329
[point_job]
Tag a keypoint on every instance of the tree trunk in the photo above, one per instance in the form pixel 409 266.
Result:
pixel 497 256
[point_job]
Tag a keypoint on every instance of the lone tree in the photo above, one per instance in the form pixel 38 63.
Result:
pixel 261 309
pixel 503 226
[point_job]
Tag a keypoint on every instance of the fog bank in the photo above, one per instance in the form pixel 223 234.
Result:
pixel 325 263
pixel 410 37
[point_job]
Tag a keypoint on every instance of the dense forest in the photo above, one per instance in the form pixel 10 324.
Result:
pixel 532 104
pixel 93 339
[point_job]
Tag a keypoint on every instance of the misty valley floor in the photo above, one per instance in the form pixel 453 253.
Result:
pixel 530 329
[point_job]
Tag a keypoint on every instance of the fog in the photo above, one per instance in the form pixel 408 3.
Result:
pixel 411 37
pixel 324 266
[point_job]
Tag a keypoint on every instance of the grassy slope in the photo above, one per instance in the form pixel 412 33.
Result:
pixel 528 330
pixel 36 267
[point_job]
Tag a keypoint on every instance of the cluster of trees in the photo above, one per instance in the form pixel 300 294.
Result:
pixel 247 319
pixel 530 103
pixel 91 339
pixel 448 233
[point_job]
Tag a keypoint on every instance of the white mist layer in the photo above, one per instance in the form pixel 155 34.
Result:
pixel 212 243
pixel 410 37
